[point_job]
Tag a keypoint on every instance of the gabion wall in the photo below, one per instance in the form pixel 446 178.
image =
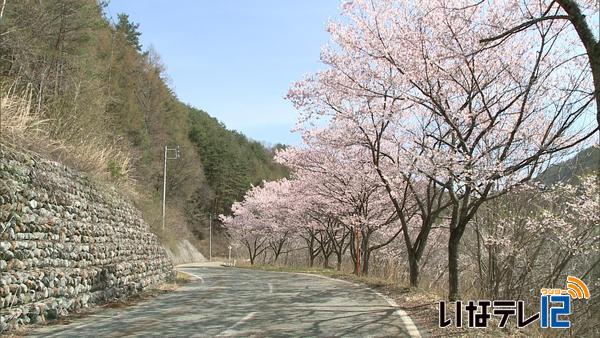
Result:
pixel 66 242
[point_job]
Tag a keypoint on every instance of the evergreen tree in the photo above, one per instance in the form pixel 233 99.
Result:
pixel 130 29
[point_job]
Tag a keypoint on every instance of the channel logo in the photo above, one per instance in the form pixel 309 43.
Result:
pixel 555 304
pixel 555 307
pixel 577 289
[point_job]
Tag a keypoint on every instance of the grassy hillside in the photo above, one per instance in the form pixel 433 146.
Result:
pixel 78 87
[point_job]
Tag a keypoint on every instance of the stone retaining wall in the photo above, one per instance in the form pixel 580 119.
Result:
pixel 66 242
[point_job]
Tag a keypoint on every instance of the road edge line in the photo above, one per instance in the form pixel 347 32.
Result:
pixel 409 324
pixel 191 274
pixel 231 330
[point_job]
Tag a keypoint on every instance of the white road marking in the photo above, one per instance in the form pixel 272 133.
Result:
pixel 406 320
pixel 408 323
pixel 231 330
pixel 191 274
pixel 270 287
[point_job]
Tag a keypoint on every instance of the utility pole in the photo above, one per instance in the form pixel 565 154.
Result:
pixel 211 209
pixel 210 236
pixel 164 194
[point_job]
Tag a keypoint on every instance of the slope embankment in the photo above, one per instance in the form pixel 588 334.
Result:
pixel 185 252
pixel 67 242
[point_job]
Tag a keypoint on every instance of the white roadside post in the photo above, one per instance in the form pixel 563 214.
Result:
pixel 229 257
pixel 164 195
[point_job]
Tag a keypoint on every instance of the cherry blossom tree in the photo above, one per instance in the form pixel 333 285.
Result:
pixel 345 191
pixel 411 82
pixel 259 222
pixel 338 235
pixel 246 228
pixel 537 235
pixel 569 220
pixel 579 22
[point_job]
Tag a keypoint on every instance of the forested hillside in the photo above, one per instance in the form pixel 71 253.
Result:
pixel 584 163
pixel 78 87
pixel 232 162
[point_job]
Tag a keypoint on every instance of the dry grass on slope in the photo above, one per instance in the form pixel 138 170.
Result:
pixel 22 126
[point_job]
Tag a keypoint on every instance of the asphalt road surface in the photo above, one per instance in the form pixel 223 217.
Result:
pixel 247 303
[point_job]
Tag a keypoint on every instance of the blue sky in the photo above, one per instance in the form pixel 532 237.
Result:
pixel 236 59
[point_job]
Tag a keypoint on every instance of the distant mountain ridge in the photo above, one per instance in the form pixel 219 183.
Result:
pixel 583 163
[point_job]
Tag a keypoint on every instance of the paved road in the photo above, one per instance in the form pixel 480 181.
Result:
pixel 239 302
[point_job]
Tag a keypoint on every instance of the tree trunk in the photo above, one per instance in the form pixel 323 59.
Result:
pixel 326 261
pixel 365 252
pixel 338 265
pixel 250 255
pixel 355 259
pixel 311 245
pixel 453 243
pixel 365 266
pixel 592 46
pixel 357 252
pixel 413 264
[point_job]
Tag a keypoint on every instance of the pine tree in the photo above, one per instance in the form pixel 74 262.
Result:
pixel 130 29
